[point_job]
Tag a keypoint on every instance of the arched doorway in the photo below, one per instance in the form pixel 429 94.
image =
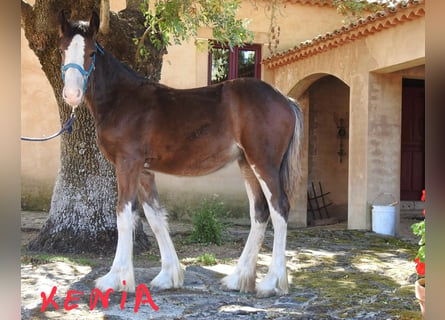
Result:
pixel 325 100
pixel 328 143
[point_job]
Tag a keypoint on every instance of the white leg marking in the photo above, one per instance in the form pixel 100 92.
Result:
pixel 243 278
pixel 275 282
pixel 171 275
pixel 122 268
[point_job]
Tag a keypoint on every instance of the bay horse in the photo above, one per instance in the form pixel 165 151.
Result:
pixel 145 127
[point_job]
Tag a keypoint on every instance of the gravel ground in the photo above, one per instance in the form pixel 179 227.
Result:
pixel 334 273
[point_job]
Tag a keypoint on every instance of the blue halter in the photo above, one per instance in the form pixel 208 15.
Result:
pixel 85 74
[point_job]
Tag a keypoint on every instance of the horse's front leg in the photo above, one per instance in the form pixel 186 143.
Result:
pixel 121 275
pixel 171 275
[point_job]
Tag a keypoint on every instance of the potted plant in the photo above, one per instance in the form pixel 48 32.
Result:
pixel 419 230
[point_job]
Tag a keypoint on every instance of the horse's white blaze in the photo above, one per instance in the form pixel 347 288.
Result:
pixel 171 275
pixel 73 89
pixel 122 268
pixel 243 278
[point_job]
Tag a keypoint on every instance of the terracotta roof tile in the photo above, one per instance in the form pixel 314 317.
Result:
pixel 320 3
pixel 376 22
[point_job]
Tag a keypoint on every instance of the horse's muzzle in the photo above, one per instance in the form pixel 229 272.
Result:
pixel 72 95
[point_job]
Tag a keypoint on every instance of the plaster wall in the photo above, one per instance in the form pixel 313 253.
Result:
pixel 385 127
pixel 39 117
pixel 384 145
pixel 374 106
pixel 399 47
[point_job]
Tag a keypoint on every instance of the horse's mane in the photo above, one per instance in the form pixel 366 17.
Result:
pixel 78 27
pixel 124 71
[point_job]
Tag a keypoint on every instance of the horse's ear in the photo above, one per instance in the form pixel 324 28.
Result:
pixel 94 23
pixel 63 23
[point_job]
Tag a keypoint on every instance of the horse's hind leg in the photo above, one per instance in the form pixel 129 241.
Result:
pixel 171 275
pixel 275 281
pixel 243 278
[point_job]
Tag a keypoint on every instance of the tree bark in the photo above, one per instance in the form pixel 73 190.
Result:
pixel 82 216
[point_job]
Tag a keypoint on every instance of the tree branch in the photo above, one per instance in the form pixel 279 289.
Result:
pixel 141 42
pixel 104 16
pixel 25 12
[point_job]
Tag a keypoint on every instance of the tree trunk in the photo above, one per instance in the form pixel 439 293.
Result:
pixel 82 216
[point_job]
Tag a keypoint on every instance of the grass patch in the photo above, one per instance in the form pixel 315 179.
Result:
pixel 207 259
pixel 359 292
pixel 407 314
pixel 40 259
pixel 207 228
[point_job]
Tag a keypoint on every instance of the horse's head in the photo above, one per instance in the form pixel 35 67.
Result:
pixel 78 48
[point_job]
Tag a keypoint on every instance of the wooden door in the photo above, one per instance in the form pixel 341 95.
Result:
pixel 412 177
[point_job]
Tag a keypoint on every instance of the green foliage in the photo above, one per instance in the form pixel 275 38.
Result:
pixel 207 259
pixel 354 9
pixel 174 21
pixel 206 226
pixel 220 64
pixel 38 259
pixel 419 230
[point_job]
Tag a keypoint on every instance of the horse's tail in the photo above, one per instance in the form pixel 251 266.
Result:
pixel 291 165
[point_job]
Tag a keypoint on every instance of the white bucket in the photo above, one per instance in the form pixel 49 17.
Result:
pixel 384 219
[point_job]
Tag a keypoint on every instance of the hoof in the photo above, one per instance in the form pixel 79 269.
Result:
pixel 237 282
pixel 168 280
pixel 118 281
pixel 272 285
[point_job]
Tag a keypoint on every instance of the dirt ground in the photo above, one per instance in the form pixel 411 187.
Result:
pixel 334 273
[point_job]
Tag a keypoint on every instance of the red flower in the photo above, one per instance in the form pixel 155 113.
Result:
pixel 422 198
pixel 420 267
pixel 419 230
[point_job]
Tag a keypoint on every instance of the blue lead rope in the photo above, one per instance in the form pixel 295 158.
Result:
pixel 67 126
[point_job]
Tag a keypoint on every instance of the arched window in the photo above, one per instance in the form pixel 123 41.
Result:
pixel 242 62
